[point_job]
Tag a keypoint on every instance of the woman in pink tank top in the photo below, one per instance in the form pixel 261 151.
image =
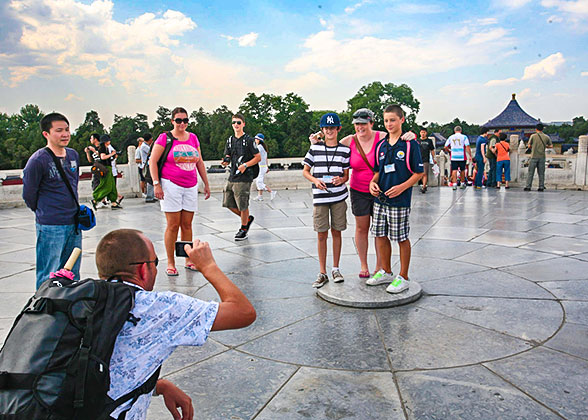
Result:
pixel 362 202
pixel 177 189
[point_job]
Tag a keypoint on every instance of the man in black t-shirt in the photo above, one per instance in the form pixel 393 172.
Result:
pixel 427 148
pixel 242 153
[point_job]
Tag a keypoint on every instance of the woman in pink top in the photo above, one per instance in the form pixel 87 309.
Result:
pixel 362 202
pixel 177 189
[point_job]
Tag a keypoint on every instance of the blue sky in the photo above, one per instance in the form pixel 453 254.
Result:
pixel 462 59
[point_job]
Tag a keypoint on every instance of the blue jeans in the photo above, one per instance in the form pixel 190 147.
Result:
pixel 479 171
pixel 500 165
pixel 150 192
pixel 491 182
pixel 54 246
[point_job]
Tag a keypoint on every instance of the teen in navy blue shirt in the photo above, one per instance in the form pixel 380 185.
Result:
pixel 398 166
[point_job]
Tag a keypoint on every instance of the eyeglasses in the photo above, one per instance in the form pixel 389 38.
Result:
pixel 236 122
pixel 182 120
pixel 155 261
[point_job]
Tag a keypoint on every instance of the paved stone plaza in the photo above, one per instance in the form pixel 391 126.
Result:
pixel 501 331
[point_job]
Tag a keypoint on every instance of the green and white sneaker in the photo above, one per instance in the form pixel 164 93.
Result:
pixel 381 277
pixel 399 284
pixel 320 281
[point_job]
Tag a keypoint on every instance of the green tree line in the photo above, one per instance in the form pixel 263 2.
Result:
pixel 286 121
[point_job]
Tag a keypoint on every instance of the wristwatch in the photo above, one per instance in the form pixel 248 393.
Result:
pixel 245 165
pixel 155 182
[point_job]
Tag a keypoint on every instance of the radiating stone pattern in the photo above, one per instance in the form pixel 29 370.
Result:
pixel 501 331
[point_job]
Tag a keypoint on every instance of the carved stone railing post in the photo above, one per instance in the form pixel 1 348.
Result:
pixel 582 162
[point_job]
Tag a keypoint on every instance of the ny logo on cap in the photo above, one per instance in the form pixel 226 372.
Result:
pixel 330 120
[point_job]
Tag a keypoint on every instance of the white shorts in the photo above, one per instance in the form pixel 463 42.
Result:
pixel 260 178
pixel 176 198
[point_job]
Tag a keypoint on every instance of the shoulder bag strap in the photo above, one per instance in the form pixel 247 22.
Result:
pixel 62 173
pixel 362 153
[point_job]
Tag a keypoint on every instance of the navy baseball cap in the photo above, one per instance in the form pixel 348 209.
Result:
pixel 260 136
pixel 330 119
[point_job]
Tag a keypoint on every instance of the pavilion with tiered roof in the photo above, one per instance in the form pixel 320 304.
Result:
pixel 513 120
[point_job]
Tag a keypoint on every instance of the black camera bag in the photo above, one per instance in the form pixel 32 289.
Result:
pixel 55 362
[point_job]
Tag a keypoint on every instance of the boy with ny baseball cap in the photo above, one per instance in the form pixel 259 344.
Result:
pixel 329 162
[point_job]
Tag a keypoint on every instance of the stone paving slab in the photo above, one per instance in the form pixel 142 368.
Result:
pixel 327 394
pixel 552 378
pixel 489 283
pixel 501 331
pixel 466 393
pixel 571 339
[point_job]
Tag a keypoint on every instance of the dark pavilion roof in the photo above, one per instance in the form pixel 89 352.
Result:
pixel 513 116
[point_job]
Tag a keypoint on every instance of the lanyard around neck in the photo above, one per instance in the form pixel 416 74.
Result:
pixel 327 157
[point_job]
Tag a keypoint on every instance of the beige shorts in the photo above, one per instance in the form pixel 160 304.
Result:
pixel 336 211
pixel 236 195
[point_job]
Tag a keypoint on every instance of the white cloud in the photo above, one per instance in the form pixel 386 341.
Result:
pixel 487 21
pixel 549 67
pixel 487 36
pixel 584 74
pixel 350 9
pixel 73 38
pixel 404 56
pixel 142 54
pixel 418 9
pixel 72 97
pixel 527 93
pixel 503 82
pixel 554 19
pixel 575 7
pixel 510 4
pixel 247 40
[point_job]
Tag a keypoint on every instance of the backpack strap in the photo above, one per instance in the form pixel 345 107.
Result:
pixel 17 380
pixel 147 387
pixel 168 145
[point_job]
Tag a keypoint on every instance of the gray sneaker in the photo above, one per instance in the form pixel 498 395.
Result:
pixel 381 277
pixel 320 281
pixel 463 186
pixel 399 284
pixel 337 276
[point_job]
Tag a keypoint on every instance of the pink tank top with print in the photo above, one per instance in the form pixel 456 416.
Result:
pixel 361 174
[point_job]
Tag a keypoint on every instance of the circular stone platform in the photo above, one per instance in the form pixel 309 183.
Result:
pixel 356 294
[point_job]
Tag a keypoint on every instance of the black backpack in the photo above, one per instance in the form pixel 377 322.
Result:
pixel 168 145
pixel 55 362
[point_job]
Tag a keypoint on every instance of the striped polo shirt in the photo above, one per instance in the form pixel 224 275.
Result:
pixel 328 161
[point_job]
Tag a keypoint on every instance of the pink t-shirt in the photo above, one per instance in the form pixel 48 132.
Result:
pixel 180 165
pixel 361 174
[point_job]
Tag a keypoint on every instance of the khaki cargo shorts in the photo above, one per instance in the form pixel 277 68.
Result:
pixel 236 195
pixel 336 211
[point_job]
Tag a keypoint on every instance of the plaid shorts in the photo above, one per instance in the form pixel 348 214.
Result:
pixel 391 222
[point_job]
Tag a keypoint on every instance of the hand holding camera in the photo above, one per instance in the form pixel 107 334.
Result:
pixel 198 252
